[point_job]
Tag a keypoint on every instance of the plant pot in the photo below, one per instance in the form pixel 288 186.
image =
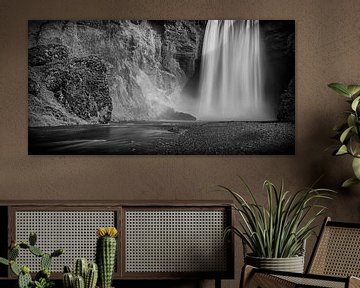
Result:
pixel 291 264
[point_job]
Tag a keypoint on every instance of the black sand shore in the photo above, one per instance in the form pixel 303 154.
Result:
pixel 165 137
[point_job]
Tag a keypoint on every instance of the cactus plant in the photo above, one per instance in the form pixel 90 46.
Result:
pixel 91 276
pixel 79 282
pixel 42 278
pixel 24 277
pixel 68 280
pixel 84 274
pixel 105 254
pixel 80 268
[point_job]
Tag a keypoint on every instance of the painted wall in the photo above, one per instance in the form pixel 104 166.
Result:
pixel 327 50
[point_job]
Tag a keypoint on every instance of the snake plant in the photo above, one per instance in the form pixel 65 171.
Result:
pixel 348 132
pixel 279 228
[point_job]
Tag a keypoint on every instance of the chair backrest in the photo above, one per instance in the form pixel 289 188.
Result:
pixel 337 251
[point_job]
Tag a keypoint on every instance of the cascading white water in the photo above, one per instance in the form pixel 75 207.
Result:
pixel 231 85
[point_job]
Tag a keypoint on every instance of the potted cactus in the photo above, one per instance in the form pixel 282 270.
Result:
pixel 42 278
pixel 84 275
pixel 106 254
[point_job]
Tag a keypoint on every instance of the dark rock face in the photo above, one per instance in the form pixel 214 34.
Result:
pixel 286 112
pixel 97 71
pixel 43 54
pixel 171 114
pixel 279 40
pixel 79 84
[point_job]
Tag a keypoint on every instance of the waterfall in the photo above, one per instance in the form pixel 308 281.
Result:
pixel 231 84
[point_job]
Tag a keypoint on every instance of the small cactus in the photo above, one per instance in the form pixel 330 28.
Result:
pixel 67 269
pixel 36 251
pixel 68 280
pixel 13 253
pixel 14 268
pixel 24 278
pixel 106 254
pixel 91 276
pixel 45 261
pixel 89 272
pixel 79 282
pixel 80 268
pixel 44 273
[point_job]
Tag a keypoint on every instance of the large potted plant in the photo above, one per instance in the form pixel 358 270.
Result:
pixel 348 132
pixel 275 233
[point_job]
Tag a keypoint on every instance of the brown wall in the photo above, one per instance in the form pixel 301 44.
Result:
pixel 327 50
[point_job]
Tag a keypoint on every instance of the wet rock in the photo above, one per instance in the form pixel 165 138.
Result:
pixel 43 54
pixel 171 114
pixel 286 112
pixel 33 87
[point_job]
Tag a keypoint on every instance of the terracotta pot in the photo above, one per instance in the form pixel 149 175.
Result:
pixel 291 264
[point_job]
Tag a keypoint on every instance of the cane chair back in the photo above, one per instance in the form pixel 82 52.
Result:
pixel 337 252
pixel 335 262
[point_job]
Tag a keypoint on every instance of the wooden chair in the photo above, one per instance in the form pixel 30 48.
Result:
pixel 335 262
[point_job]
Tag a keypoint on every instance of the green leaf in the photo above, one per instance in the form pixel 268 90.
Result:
pixel 45 261
pixel 354 145
pixel 14 268
pixel 13 253
pixel 36 251
pixel 342 150
pixel 351 120
pixel 349 182
pixel 340 88
pixel 353 89
pixel 355 103
pixel 4 261
pixel 356 167
pixel 345 134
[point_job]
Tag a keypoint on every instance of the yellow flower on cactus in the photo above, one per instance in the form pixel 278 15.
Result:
pixel 107 231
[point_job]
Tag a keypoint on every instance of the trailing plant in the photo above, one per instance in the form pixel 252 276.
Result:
pixel 85 275
pixel 279 229
pixel 42 278
pixel 348 132
pixel 105 254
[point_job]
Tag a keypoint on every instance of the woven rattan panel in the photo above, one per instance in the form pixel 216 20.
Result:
pixel 338 253
pixel 75 231
pixel 175 241
pixel 311 282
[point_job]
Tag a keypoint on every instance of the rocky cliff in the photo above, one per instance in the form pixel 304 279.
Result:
pixel 99 71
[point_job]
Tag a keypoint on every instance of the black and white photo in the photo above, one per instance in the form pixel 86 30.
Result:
pixel 160 87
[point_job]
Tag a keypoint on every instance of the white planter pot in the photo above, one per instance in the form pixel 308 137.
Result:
pixel 291 264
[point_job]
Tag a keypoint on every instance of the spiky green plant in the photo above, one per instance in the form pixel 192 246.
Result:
pixel 42 278
pixel 106 254
pixel 349 131
pixel 84 273
pixel 279 229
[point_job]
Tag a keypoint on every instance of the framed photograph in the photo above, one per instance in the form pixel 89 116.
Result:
pixel 179 87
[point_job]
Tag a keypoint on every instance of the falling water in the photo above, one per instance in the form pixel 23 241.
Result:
pixel 231 73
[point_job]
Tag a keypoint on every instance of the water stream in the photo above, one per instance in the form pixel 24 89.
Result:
pixel 231 81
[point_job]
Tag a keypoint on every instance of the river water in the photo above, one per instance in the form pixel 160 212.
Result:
pixel 118 138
